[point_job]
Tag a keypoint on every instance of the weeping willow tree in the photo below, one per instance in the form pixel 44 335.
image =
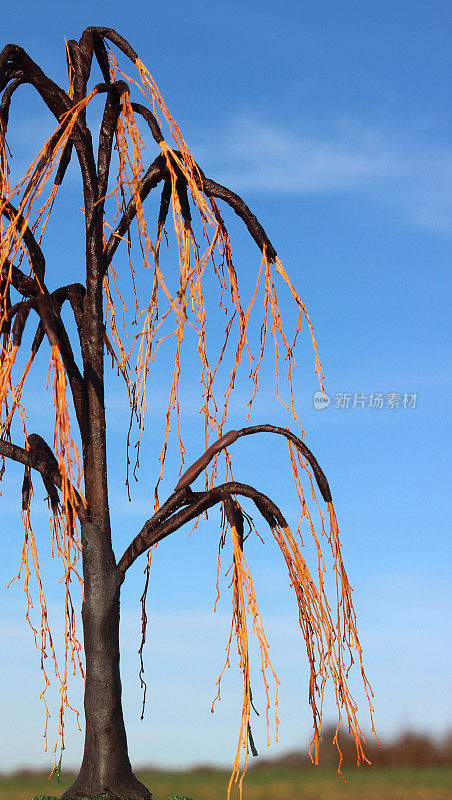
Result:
pixel 73 467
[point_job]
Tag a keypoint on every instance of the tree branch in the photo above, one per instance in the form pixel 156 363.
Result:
pixel 107 131
pixel 229 438
pixel 40 458
pixel 213 189
pixel 235 517
pixel 156 528
pixel 48 307
pixel 22 283
pixel 153 176
pixel 15 62
pixel 37 259
pixel 147 114
pixel 158 171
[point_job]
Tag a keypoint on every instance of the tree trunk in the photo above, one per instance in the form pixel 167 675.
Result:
pixel 106 768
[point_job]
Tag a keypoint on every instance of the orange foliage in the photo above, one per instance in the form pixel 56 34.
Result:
pixel 330 639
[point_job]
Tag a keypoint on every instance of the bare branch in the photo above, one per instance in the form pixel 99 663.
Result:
pixel 64 163
pixel 40 458
pixel 213 189
pixel 165 199
pixel 147 114
pixel 6 99
pixel 201 463
pixel 14 63
pixel 228 438
pixel 107 131
pixel 156 172
pixel 37 259
pixel 22 283
pixel 48 307
pixel 21 316
pixel 156 528
pixel 153 176
pixel 89 36
pixel 235 517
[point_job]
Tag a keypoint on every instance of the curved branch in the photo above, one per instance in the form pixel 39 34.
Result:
pixel 47 310
pixel 37 259
pixel 21 311
pixel 81 54
pixel 40 458
pixel 4 114
pixel 234 516
pixel 65 160
pixel 165 199
pixel 22 283
pixel 153 176
pixel 48 307
pixel 229 438
pixel 156 528
pixel 88 38
pixel 7 97
pixel 147 114
pixel 213 189
pixel 74 292
pixel 158 171
pixel 15 62
pixel 109 121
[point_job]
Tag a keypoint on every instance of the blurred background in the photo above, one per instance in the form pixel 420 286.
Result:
pixel 332 120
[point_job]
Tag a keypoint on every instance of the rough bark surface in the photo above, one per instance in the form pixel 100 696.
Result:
pixel 106 769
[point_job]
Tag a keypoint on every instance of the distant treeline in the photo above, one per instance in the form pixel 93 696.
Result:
pixel 408 749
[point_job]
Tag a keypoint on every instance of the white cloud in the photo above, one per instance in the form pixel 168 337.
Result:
pixel 404 169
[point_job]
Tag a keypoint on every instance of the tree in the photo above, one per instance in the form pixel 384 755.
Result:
pixel 76 486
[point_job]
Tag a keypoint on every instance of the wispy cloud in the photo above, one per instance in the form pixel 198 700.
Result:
pixel 406 169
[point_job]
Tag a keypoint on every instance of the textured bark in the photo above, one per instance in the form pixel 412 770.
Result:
pixel 106 769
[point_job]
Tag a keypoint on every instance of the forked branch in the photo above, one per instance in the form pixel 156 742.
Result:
pixel 156 528
pixel 168 519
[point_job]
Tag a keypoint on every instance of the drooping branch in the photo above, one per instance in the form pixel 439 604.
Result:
pixel 40 457
pixel 35 253
pixel 6 99
pixel 91 42
pixel 107 132
pixel 147 114
pixel 110 118
pixel 213 189
pixel 234 516
pixel 21 311
pixel 22 283
pixel 14 63
pixel 167 520
pixel 48 307
pixel 74 292
pixel 156 172
pixel 229 438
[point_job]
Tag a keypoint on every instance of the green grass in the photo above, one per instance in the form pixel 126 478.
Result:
pixel 267 783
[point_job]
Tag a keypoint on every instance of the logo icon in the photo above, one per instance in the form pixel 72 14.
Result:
pixel 321 400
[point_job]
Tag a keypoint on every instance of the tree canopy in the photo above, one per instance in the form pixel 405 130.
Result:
pixel 73 466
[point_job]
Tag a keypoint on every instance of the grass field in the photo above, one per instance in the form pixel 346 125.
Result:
pixel 407 783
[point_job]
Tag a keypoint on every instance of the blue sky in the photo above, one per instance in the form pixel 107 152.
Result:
pixel 332 121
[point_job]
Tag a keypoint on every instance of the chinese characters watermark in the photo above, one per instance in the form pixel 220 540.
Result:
pixel 378 400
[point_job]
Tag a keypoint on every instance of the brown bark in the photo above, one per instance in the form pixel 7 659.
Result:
pixel 106 769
